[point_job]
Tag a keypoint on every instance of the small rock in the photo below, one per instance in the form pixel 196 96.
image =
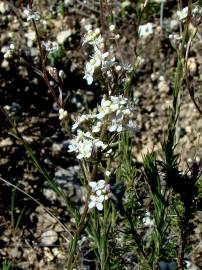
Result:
pixel 63 36
pixel 31 37
pixel 6 142
pixel 5 64
pixel 56 148
pixel 50 194
pixel 58 253
pixel 163 87
pixel 49 237
pixel 192 65
pixel 48 255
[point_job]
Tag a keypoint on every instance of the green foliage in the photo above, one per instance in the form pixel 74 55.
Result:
pixel 6 265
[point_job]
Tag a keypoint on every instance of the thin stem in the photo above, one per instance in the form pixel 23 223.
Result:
pixel 43 58
pixel 102 17
pixel 77 234
pixel 189 87
pixel 135 235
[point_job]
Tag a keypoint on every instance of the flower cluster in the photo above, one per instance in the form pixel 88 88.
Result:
pixel 84 144
pixel 8 51
pixel 31 15
pixel 100 58
pixel 116 111
pixel 195 15
pixel 100 191
pixel 113 114
pixel 62 114
pixel 145 30
pixel 50 46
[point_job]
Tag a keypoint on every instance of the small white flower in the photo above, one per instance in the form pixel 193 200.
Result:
pixel 93 37
pixel 145 29
pixel 62 114
pixel 96 128
pixel 147 220
pixel 83 144
pixel 97 185
pixel 50 46
pixel 84 149
pixel 182 14
pixel 107 173
pixel 80 120
pixel 31 15
pixel 100 184
pixel 99 143
pixel 96 201
pixel 118 68
pixel 89 71
pixel 99 194
pixel 8 51
pixel 112 27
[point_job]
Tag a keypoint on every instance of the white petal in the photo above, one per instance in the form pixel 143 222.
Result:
pixel 101 184
pixel 93 185
pixel 91 204
pixel 99 206
pixel 100 199
pixel 98 192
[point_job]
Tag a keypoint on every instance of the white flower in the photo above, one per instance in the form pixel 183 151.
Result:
pixel 93 37
pixel 99 143
pixel 145 29
pixel 31 15
pixel 112 27
pixel 89 71
pixel 99 194
pixel 62 114
pixel 96 201
pixel 118 68
pixel 84 149
pixel 50 46
pixel 8 51
pixel 100 58
pixel 115 126
pixel 107 173
pixel 80 120
pixel 83 144
pixel 97 185
pixel 182 14
pixel 96 128
pixel 147 220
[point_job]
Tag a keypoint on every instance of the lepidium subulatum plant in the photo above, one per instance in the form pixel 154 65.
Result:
pixel 112 212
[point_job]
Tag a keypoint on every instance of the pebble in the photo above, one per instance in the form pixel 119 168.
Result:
pixel 49 237
pixel 49 194
pixel 6 142
pixel 163 87
pixel 63 36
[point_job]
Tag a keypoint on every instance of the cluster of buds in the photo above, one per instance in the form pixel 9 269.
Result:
pixel 100 192
pixel 8 51
pixel 62 114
